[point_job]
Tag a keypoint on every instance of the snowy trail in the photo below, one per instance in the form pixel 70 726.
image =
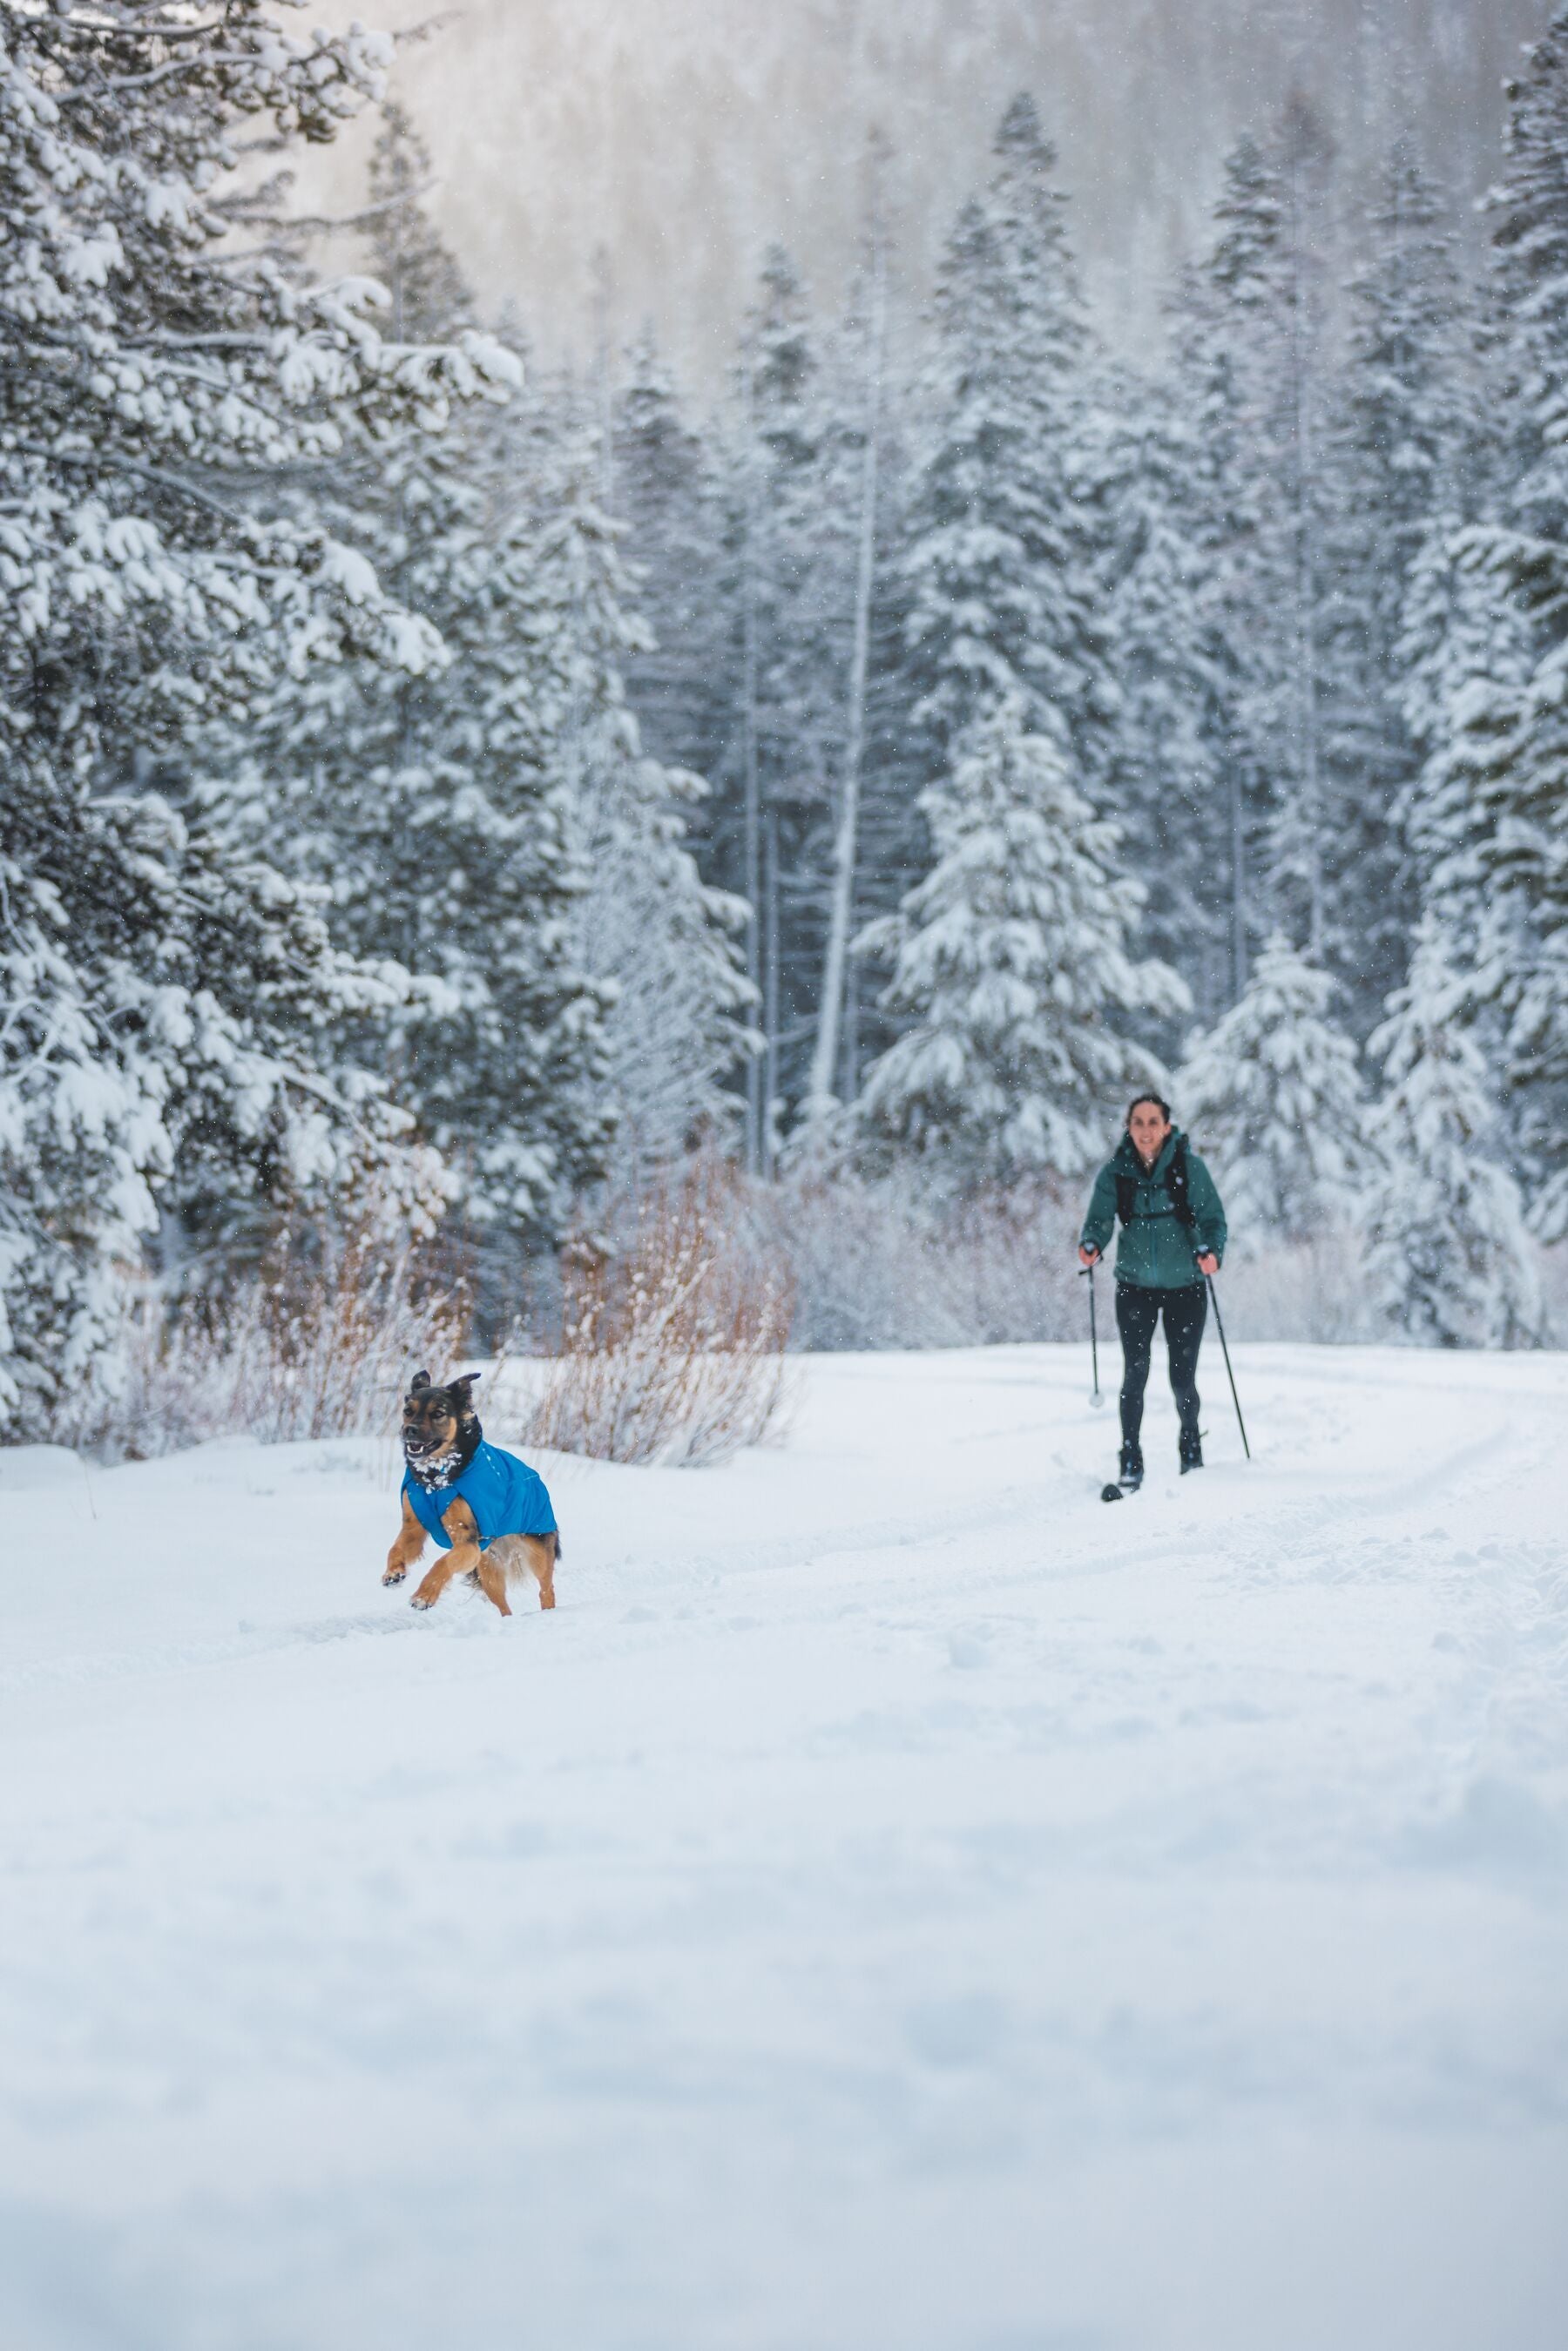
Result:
pixel 895 1902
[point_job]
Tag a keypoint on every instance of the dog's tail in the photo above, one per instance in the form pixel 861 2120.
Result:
pixel 558 1545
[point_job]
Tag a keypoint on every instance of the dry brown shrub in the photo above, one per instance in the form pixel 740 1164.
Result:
pixel 673 1335
pixel 318 1342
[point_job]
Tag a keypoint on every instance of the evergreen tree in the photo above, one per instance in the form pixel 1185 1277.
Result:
pixel 1168 782
pixel 786 585
pixel 436 810
pixel 1510 742
pixel 1251 375
pixel 1273 1095
pixel 1225 360
pixel 1463 660
pixel 1402 449
pixel 1450 1260
pixel 167 995
pixel 1011 968
pixel 658 943
pixel 1301 520
pixel 667 498
pixel 1005 601
pixel 429 294
pixel 860 440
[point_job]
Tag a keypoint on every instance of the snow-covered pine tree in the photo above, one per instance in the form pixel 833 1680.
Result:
pixel 1013 969
pixel 430 296
pixel 1300 463
pixel 1463 659
pixel 1450 1260
pixel 1511 736
pixel 1402 448
pixel 435 807
pixel 1006 601
pixel 660 944
pixel 787 586
pixel 1225 337
pixel 667 500
pixel 1168 781
pixel 166 996
pixel 1250 375
pixel 860 440
pixel 1274 1098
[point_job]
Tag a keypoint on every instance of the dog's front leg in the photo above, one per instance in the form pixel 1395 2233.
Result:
pixel 406 1550
pixel 463 1559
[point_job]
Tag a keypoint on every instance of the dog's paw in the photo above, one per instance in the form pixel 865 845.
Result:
pixel 394 1575
pixel 419 1601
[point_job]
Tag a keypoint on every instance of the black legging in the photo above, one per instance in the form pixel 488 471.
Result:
pixel 1137 1311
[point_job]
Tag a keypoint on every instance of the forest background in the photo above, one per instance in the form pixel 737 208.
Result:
pixel 452 784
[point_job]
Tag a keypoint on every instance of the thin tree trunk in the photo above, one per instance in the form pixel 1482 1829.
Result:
pixel 850 1056
pixel 840 907
pixel 751 885
pixel 1238 882
pixel 770 982
pixel 1309 815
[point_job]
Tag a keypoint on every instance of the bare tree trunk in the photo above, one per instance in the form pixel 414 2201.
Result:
pixel 752 826
pixel 770 982
pixel 1237 881
pixel 604 368
pixel 1309 816
pixel 850 1056
pixel 841 905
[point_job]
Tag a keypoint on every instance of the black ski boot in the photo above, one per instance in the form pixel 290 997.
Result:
pixel 1191 1450
pixel 1129 1476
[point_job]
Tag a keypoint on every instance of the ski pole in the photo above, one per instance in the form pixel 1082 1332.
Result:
pixel 1095 1396
pixel 1220 1326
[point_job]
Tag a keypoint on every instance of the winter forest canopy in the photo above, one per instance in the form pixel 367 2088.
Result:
pixel 445 782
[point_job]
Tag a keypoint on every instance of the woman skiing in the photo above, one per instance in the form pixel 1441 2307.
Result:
pixel 1172 1235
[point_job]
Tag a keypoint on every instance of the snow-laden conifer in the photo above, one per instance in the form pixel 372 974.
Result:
pixel 661 945
pixel 1251 379
pixel 1005 601
pixel 1401 452
pixel 1014 970
pixel 1273 1096
pixel 435 807
pixel 1450 1261
pixel 1169 785
pixel 167 994
pixel 667 498
pixel 1496 764
pixel 785 586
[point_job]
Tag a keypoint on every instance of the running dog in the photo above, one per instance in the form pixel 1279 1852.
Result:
pixel 490 1508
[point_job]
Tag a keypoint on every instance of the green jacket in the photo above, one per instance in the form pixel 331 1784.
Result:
pixel 1155 1252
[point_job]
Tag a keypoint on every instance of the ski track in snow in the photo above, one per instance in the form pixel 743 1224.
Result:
pixel 894 1902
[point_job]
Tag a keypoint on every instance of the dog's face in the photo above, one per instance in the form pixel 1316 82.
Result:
pixel 436 1421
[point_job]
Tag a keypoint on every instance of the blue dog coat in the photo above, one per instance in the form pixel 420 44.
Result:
pixel 505 1495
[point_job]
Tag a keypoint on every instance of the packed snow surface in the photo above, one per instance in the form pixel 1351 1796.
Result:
pixel 894 1904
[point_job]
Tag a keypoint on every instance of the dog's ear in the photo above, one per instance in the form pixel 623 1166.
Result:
pixel 462 1392
pixel 420 1380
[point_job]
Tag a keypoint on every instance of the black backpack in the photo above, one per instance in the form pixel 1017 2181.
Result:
pixel 1176 1183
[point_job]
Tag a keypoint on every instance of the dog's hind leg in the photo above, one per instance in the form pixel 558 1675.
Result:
pixel 539 1553
pixel 492 1577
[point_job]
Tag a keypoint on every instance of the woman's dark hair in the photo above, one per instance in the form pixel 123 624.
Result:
pixel 1158 1101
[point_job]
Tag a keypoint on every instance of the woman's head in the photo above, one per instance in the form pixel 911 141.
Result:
pixel 1148 1124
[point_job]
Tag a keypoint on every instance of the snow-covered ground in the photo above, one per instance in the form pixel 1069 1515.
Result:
pixel 895 1903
